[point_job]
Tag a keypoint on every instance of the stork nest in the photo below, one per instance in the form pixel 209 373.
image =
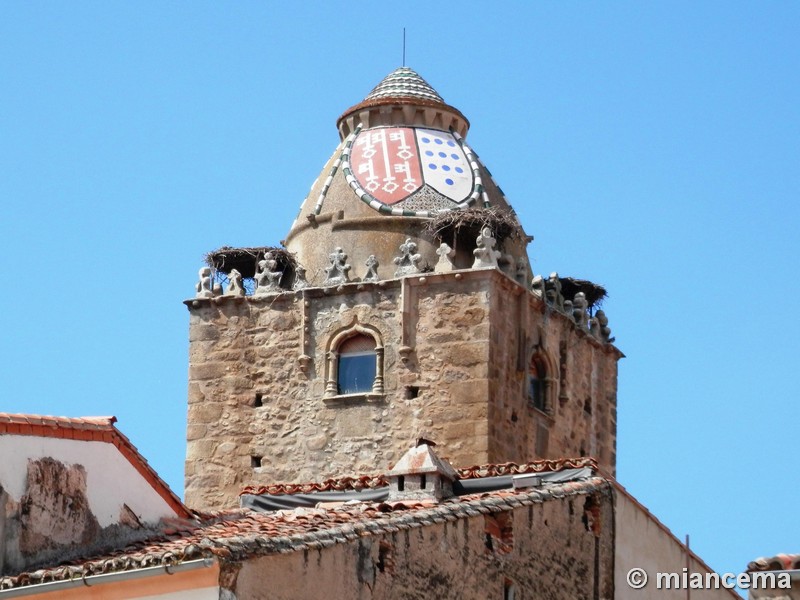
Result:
pixel 595 293
pixel 245 260
pixel 503 223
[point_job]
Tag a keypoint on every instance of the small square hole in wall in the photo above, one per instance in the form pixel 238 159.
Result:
pixel 258 401
pixel 412 391
pixel 255 461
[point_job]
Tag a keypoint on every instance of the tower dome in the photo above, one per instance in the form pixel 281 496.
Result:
pixel 402 163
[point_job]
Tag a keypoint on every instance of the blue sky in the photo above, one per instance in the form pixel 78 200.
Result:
pixel 651 147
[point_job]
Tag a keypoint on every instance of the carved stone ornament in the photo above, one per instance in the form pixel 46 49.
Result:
pixel 372 269
pixel 300 281
pixel 538 286
pixel 445 264
pixel 337 272
pixel 485 254
pixel 552 293
pixel 521 274
pixel 206 288
pixel 408 261
pixel 579 310
pixel 268 279
pixel 235 287
pixel 598 326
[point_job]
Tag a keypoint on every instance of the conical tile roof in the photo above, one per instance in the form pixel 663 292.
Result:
pixel 404 83
pixel 406 90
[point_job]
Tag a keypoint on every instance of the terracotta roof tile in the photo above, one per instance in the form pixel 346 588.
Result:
pixel 238 534
pixel 779 562
pixel 404 83
pixel 376 481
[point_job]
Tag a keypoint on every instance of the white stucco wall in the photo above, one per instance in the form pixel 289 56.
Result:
pixel 641 542
pixel 111 480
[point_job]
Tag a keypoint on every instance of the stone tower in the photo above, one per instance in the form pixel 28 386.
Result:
pixel 401 305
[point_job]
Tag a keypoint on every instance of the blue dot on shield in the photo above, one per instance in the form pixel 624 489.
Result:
pixel 426 140
pixel 448 181
pixel 451 143
pixel 442 154
pixel 459 170
pixel 428 152
pixel 445 168
pixel 438 141
pixel 432 167
pixel 455 156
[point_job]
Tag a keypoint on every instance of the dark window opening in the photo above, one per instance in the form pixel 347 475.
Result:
pixel 258 402
pixel 357 365
pixel 536 390
pixel 401 483
pixel 422 482
pixel 255 461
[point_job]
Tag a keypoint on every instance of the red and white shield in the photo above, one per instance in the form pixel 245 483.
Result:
pixel 391 163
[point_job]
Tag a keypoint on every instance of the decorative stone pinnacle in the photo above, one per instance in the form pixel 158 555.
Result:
pixel 407 262
pixel 485 254
pixel 552 294
pixel 372 265
pixel 206 288
pixel 522 271
pixel 579 310
pixel 267 278
pixel 446 254
pixel 598 327
pixel 235 287
pixel 300 281
pixel 538 286
pixel 337 272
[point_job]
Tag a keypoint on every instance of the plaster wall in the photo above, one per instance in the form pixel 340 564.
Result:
pixel 111 479
pixel 456 351
pixel 643 542
pixel 549 553
pixel 60 498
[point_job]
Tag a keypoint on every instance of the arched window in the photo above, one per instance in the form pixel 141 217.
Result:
pixel 357 365
pixel 354 362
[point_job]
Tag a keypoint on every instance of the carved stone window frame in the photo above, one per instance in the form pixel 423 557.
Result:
pixel 332 361
pixel 542 360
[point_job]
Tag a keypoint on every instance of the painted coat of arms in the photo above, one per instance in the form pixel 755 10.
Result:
pixel 391 163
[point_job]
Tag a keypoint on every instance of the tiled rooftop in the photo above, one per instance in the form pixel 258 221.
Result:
pixel 376 481
pixel 235 535
pixel 779 562
pixel 404 83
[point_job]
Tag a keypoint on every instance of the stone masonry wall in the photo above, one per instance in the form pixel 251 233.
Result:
pixel 455 371
pixel 580 412
pixel 557 550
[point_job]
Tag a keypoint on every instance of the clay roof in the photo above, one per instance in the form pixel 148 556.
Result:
pixel 240 534
pixel 779 562
pixel 376 481
pixel 404 83
pixel 91 429
pixel 403 86
pixel 422 459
